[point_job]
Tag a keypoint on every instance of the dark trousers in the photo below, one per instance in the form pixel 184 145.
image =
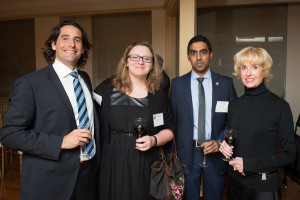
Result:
pixel 213 184
pixel 86 184
pixel 237 191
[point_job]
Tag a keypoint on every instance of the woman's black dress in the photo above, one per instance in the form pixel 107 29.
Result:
pixel 125 171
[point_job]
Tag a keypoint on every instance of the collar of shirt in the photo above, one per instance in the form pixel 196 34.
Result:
pixel 61 69
pixel 207 76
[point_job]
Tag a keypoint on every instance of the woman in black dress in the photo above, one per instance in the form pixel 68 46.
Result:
pixel 133 91
pixel 261 119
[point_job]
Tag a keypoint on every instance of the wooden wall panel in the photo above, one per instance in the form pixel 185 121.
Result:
pixel 17 52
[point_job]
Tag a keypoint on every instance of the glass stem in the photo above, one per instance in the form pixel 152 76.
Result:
pixel 204 159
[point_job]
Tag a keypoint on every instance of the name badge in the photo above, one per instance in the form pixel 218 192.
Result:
pixel 158 119
pixel 222 106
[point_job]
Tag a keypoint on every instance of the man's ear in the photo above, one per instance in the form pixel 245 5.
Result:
pixel 188 56
pixel 53 45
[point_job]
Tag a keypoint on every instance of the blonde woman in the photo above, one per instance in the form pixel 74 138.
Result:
pixel 261 119
pixel 132 92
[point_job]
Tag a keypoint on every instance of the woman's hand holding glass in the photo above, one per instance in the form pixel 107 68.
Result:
pixel 226 150
pixel 237 164
pixel 144 143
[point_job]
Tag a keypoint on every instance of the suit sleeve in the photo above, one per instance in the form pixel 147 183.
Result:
pixel 173 103
pixel 168 114
pixel 18 129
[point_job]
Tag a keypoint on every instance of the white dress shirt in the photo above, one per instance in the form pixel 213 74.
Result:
pixel 207 85
pixel 66 79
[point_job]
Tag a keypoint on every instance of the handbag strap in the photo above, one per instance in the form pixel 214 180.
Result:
pixel 174 150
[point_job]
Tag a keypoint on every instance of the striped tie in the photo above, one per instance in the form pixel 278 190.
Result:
pixel 84 121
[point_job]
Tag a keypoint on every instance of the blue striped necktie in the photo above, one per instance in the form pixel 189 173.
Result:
pixel 84 121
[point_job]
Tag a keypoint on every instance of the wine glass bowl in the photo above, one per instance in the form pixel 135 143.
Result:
pixel 230 136
pixel 140 126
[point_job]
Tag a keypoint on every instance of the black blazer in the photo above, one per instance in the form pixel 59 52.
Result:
pixel 39 115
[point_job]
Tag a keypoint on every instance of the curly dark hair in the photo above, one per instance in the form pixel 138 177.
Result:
pixel 49 53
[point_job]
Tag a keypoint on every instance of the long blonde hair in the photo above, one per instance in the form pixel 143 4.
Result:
pixel 121 79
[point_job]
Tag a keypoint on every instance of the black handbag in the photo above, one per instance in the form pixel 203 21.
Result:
pixel 167 177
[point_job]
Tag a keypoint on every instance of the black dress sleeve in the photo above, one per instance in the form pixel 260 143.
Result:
pixel 104 89
pixel 159 103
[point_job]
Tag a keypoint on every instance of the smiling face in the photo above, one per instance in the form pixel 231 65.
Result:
pixel 251 75
pixel 68 46
pixel 199 57
pixel 139 68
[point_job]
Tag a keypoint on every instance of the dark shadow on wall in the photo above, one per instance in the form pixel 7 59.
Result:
pixel 17 52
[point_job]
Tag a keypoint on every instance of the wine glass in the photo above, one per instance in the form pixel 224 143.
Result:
pixel 85 153
pixel 229 136
pixel 140 125
pixel 203 163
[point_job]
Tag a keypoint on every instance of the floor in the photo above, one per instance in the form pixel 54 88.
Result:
pixel 10 185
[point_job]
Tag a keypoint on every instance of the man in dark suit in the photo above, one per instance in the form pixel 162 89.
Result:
pixel 44 121
pixel 217 92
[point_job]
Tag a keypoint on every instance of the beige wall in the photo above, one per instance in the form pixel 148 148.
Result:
pixel 159 32
pixel 171 61
pixel 293 64
pixel 43 26
pixel 187 23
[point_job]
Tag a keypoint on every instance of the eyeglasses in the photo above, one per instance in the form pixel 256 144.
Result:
pixel 146 59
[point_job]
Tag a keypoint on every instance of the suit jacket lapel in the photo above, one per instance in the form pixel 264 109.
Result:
pixel 215 92
pixel 61 92
pixel 188 94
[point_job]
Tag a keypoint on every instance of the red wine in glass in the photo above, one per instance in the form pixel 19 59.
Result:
pixel 229 136
pixel 140 126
